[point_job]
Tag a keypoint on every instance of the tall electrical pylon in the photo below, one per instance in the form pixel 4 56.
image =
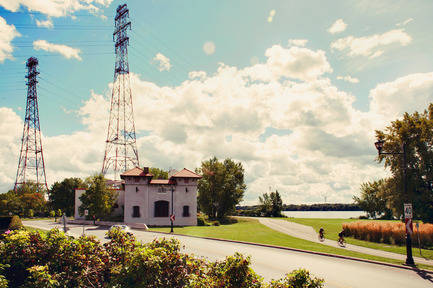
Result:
pixel 121 148
pixel 31 165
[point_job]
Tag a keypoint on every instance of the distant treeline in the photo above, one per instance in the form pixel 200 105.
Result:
pixel 313 207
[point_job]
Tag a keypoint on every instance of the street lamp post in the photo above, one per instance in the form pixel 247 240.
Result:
pixel 172 211
pixel 379 147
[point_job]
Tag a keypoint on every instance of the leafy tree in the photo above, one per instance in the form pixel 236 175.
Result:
pixel 271 204
pixel 62 194
pixel 27 196
pixel 416 131
pixel 158 173
pixel 372 200
pixel 221 188
pixel 98 198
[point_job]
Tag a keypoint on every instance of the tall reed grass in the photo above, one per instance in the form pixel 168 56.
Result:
pixel 388 232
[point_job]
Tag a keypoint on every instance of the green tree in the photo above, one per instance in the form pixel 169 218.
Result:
pixel 27 196
pixel 98 198
pixel 271 204
pixel 416 131
pixel 221 188
pixel 62 194
pixel 372 200
pixel 158 173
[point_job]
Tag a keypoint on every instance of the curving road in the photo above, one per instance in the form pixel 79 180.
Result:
pixel 308 233
pixel 272 262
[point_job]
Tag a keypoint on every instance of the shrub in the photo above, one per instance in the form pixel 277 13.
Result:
pixel 388 232
pixel 31 259
pixel 201 221
pixel 16 223
pixel 216 223
pixel 298 278
pixel 52 214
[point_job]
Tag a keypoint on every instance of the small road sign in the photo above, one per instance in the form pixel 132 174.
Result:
pixel 172 218
pixel 86 212
pixel 409 226
pixel 407 210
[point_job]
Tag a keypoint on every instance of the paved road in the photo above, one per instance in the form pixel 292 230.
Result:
pixel 274 263
pixel 308 233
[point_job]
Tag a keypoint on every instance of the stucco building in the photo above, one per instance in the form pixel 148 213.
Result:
pixel 152 201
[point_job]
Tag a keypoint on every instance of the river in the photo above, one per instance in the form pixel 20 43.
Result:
pixel 325 214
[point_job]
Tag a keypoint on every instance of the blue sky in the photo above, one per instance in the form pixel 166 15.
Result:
pixel 292 89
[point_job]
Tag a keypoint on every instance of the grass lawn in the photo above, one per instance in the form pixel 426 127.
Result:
pixel 333 227
pixel 249 230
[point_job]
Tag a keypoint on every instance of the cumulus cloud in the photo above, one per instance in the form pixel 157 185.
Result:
pixel 338 27
pixel 64 50
pixel 296 63
pixel 405 94
pixel 371 46
pixel 162 62
pixel 47 23
pixel 349 79
pixel 7 34
pixel 56 8
pixel 283 120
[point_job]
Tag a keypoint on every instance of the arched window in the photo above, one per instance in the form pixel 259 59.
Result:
pixel 161 208
pixel 136 212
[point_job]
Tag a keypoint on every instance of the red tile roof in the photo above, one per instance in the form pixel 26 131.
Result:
pixel 136 172
pixel 163 182
pixel 185 173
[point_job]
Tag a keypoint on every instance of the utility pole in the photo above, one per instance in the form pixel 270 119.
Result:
pixel 31 163
pixel 121 148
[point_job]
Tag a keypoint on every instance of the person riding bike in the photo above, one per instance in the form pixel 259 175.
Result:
pixel 341 236
pixel 321 233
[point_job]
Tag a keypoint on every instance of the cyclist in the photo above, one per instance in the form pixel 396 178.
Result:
pixel 341 236
pixel 321 233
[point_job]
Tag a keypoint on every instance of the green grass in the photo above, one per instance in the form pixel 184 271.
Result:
pixel 333 227
pixel 249 230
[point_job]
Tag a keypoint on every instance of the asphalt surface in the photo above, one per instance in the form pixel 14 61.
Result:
pixel 308 233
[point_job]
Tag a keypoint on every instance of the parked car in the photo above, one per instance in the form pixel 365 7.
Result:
pixel 121 227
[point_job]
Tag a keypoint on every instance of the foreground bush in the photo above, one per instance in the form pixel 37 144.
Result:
pixel 388 232
pixel 32 259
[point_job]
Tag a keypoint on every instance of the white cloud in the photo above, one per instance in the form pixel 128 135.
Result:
pixel 371 46
pixel 64 50
pixel 286 133
pixel 298 42
pixel 349 79
pixel 7 34
pixel 338 27
pixel 209 47
pixel 56 8
pixel 406 94
pixel 405 22
pixel 296 63
pixel 162 62
pixel 47 23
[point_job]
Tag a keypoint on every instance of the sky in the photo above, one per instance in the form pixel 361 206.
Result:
pixel 294 90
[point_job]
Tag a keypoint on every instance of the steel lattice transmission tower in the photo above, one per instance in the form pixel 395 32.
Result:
pixel 121 148
pixel 31 163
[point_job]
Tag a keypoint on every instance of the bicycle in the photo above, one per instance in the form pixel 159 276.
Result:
pixel 341 242
pixel 321 237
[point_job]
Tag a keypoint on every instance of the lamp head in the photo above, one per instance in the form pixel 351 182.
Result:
pixel 379 145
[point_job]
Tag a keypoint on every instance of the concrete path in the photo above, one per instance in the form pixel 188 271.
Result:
pixel 308 233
